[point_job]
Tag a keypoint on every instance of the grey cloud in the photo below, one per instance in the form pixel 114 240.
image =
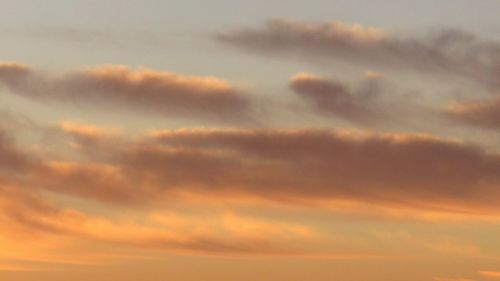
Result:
pixel 121 88
pixel 334 98
pixel 449 52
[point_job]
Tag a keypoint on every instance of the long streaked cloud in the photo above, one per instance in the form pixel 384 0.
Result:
pixel 489 274
pixel 450 51
pixel 350 170
pixel 52 230
pixel 392 175
pixel 85 36
pixel 483 113
pixel 144 90
pixel 380 168
pixel 483 274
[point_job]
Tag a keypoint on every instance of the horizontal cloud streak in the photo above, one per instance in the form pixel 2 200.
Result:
pixel 490 274
pixel 227 234
pixel 483 113
pixel 146 90
pixel 115 38
pixel 332 169
pixel 383 170
pixel 317 163
pixel 450 51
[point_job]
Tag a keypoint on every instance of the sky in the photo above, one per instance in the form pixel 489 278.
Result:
pixel 250 140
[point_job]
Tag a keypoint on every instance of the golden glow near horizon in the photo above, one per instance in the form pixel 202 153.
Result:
pixel 301 141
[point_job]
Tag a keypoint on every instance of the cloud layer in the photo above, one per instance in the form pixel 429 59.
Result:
pixel 311 166
pixel 226 234
pixel 408 169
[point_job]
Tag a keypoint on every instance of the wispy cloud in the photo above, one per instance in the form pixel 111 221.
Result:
pixel 489 274
pixel 360 104
pixel 391 172
pixel 449 52
pixel 88 36
pixel 143 90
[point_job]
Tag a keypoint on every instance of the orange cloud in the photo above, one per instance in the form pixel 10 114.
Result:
pixel 12 69
pixel 86 131
pixel 397 176
pixel 89 139
pixel 489 274
pixel 394 174
pixel 38 230
pixel 452 279
pixel 409 169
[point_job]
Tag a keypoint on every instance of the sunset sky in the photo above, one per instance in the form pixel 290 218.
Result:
pixel 223 140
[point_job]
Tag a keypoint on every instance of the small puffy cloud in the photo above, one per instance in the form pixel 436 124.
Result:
pixel 336 98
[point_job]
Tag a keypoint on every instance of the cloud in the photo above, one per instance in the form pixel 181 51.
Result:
pixel 89 138
pixel 489 274
pixel 122 88
pixel 99 181
pixel 29 212
pixel 15 268
pixel 390 174
pixel 483 113
pixel 452 279
pixel 352 172
pixel 13 159
pixel 322 163
pixel 373 102
pixel 9 71
pixel 86 132
pixel 334 98
pixel 448 52
pixel 50 230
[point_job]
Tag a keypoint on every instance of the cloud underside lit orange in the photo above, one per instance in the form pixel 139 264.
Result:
pixel 352 182
pixel 143 90
pixel 343 170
